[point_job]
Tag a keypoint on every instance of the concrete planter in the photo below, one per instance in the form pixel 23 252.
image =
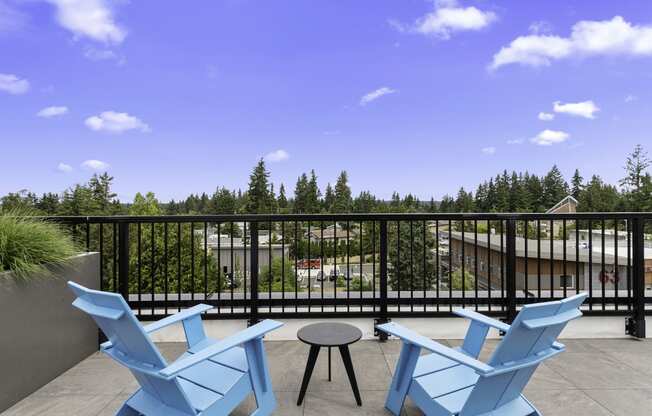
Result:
pixel 41 334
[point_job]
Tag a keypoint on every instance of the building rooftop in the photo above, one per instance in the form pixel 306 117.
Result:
pixel 544 250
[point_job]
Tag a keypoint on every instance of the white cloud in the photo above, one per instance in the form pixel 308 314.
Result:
pixel 96 55
pixel 586 109
pixel 630 98
pixel 53 111
pixel 550 137
pixel 13 85
pixel 376 94
pixel 546 116
pixel 115 122
pixel 488 150
pixel 587 38
pixel 540 27
pixel 447 18
pixel 65 168
pixel 516 141
pixel 93 164
pixel 92 19
pixel 279 155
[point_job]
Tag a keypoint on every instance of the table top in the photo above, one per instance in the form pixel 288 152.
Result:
pixel 329 334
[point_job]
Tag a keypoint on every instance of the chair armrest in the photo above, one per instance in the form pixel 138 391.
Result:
pixel 242 337
pixel 419 340
pixel 162 323
pixel 177 317
pixel 478 317
pixel 525 362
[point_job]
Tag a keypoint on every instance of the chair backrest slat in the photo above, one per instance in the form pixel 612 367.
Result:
pixel 128 339
pixel 533 333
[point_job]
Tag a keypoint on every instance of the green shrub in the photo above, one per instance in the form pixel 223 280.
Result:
pixel 276 273
pixel 29 244
pixel 456 279
pixel 355 284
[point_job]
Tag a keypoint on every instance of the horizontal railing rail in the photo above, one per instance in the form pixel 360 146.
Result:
pixel 379 265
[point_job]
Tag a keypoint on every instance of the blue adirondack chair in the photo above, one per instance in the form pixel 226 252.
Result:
pixel 452 381
pixel 210 379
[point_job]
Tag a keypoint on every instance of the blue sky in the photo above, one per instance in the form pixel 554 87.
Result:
pixel 407 95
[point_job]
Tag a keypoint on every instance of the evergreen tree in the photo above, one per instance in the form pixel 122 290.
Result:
pixel 576 184
pixel 191 204
pixel 464 201
pixel 329 198
pixel 21 201
pixel 205 203
pixel 447 204
pixel 433 205
pixel 520 199
pixel 342 201
pixel 646 193
pixel 636 178
pixel 410 203
pixel 502 193
pixel 172 208
pixel 491 200
pixel 313 194
pixel 282 200
pixel 534 188
pixel 555 188
pixel 365 202
pixel 597 196
pixel 150 263
pixel 48 203
pixel 301 195
pixel 481 198
pixel 223 201
pixel 273 203
pixel 258 194
pixel 395 203
pixel 78 201
pixel 101 193
pixel 406 264
pixel 145 205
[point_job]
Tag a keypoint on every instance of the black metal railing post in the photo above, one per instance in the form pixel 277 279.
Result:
pixel 123 260
pixel 253 312
pixel 510 270
pixel 383 282
pixel 635 324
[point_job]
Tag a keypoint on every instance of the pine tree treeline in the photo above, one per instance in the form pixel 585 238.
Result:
pixel 525 192
pixel 506 192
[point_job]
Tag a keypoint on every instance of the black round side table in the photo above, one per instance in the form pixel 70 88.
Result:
pixel 329 334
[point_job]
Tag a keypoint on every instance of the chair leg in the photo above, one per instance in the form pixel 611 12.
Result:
pixel 260 377
pixel 402 378
pixel 266 403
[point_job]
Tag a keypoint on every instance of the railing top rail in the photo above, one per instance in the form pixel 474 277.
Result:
pixel 352 217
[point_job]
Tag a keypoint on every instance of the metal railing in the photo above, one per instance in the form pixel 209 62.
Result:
pixel 373 265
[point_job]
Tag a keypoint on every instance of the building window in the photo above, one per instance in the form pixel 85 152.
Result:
pixel 566 281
